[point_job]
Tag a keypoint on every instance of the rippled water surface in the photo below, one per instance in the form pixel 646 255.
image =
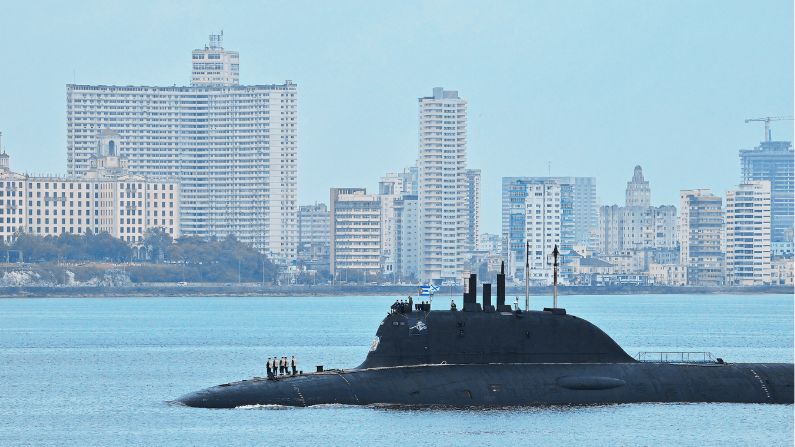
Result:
pixel 100 372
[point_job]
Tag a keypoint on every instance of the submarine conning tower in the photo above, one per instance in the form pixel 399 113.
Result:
pixel 483 334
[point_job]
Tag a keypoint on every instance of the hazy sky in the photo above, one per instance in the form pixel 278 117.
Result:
pixel 594 87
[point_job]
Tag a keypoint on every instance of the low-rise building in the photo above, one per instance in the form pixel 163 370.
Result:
pixel 668 274
pixel 781 272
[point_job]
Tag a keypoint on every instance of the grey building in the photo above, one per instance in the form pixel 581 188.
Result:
pixel 313 236
pixel 773 161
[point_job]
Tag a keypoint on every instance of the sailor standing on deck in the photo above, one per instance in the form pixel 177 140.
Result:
pixel 294 365
pixel 284 365
pixel 268 367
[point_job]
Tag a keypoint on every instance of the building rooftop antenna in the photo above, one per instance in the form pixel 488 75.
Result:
pixel 217 41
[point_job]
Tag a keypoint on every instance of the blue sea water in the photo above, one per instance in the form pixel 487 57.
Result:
pixel 99 371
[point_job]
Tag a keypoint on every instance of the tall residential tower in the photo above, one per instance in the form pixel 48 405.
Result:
pixel 443 214
pixel 233 148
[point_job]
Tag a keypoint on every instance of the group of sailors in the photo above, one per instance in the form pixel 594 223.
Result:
pixel 407 306
pixel 281 367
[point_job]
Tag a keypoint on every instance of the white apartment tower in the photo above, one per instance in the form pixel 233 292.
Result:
pixel 233 148
pixel 748 234
pixel 443 214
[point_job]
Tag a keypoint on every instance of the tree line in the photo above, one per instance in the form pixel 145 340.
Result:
pixel 158 258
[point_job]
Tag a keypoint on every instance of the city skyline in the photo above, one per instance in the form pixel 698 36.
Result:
pixel 536 95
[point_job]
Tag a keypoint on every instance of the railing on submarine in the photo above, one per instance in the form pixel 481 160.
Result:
pixel 676 357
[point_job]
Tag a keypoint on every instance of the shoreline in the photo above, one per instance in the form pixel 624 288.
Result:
pixel 245 290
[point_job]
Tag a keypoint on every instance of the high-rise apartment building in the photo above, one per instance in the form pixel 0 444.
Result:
pixel 107 199
pixel 355 234
pixel 701 237
pixel 233 148
pixel 773 161
pixel 748 228
pixel 540 212
pixel 584 209
pixel 473 209
pixel 442 181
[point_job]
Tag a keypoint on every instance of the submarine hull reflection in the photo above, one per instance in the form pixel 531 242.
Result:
pixel 500 385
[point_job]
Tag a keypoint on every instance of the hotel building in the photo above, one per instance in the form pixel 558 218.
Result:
pixel 232 147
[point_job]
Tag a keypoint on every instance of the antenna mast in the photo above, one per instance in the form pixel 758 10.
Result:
pixel 555 254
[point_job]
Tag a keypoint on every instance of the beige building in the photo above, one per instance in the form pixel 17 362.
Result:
pixel 105 199
pixel 701 237
pixel 668 274
pixel 355 234
pixel 748 234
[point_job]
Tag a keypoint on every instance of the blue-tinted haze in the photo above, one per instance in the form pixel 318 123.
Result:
pixel 595 87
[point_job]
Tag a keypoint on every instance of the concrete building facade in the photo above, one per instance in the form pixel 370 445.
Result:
pixel 213 65
pixel 233 149
pixel 105 199
pixel 355 234
pixel 637 225
pixel 773 161
pixel 473 209
pixel 538 214
pixel 442 182
pixel 748 234
pixel 701 246
pixel 313 236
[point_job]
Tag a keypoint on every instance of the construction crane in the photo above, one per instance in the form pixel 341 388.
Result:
pixel 767 120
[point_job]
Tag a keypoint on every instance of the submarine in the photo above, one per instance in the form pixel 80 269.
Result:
pixel 486 355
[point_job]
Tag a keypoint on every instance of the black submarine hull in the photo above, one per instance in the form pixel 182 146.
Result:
pixel 505 385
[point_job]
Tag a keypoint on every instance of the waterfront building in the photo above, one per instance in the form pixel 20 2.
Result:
pixel 637 225
pixel 773 161
pixel 313 236
pixel 233 148
pixel 701 246
pixel 442 182
pixel 781 272
pixel 584 210
pixel 668 274
pixel 473 209
pixel 540 213
pixel 355 234
pixel 748 230
pixel 106 199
